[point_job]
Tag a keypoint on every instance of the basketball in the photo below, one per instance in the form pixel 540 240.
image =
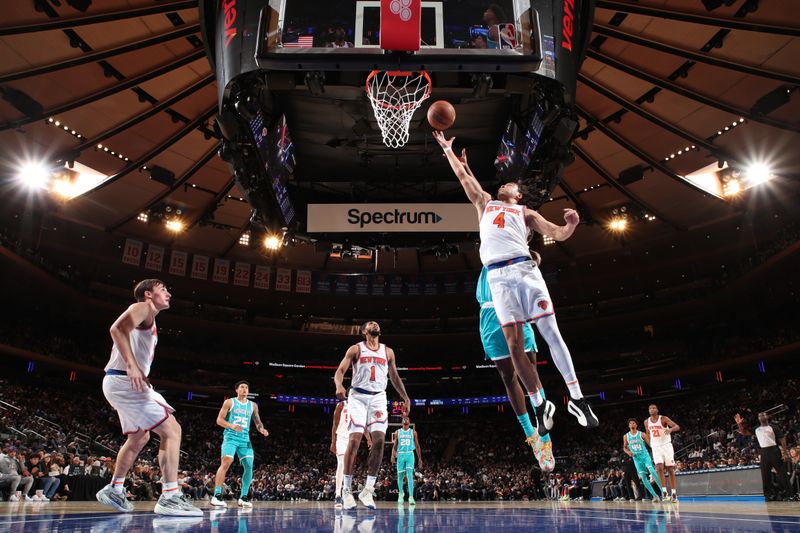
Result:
pixel 441 115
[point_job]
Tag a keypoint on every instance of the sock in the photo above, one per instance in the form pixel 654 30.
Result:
pixel 674 492
pixel 217 491
pixel 655 478
pixel 170 489
pixel 546 438
pixel 541 391
pixel 347 481
pixel 371 482
pixel 410 476
pixel 548 328
pixel 118 483
pixel 400 475
pixel 649 486
pixel 247 476
pixel 525 422
pixel 536 399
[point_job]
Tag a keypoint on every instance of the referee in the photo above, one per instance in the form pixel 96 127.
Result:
pixel 773 453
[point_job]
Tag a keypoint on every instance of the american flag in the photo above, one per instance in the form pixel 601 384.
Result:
pixel 303 41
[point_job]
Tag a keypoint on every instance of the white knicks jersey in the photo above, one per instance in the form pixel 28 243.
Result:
pixel 143 343
pixel 658 437
pixel 342 430
pixel 504 234
pixel 370 369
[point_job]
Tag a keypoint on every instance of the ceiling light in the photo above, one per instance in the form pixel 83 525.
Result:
pixel 618 224
pixel 244 239
pixel 174 225
pixel 548 240
pixel 757 173
pixel 34 175
pixel 272 242
pixel 731 187
pixel 143 217
pixel 63 188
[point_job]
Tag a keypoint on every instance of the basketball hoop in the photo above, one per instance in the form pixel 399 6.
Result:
pixel 395 95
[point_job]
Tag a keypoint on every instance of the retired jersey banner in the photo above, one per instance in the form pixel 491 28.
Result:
pixel 391 218
pixel 283 280
pixel 262 278
pixel 200 267
pixel 132 252
pixel 221 270
pixel 155 257
pixel 241 274
pixel 303 282
pixel 177 263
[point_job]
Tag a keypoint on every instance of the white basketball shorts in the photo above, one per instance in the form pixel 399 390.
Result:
pixel 519 293
pixel 367 411
pixel 664 454
pixel 341 444
pixel 137 410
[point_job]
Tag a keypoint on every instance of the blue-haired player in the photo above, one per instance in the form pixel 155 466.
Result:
pixel 406 443
pixel 634 446
pixel 235 416
pixel 496 349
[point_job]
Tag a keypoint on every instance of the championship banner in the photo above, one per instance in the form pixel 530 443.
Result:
pixel 431 285
pixel 362 285
pixel 222 268
pixel 262 277
pixel 303 282
pixel 177 263
pixel 391 218
pixel 283 280
pixel 132 253
pixel 323 283
pixel 241 274
pixel 155 257
pixel 396 286
pixel 378 286
pixel 342 284
pixel 200 267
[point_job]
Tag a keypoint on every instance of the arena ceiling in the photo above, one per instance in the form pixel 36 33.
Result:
pixel 125 84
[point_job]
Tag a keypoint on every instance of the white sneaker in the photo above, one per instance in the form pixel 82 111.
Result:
pixel 176 506
pixel 217 502
pixel 13 498
pixel 44 499
pixel 36 498
pixel 28 498
pixel 365 497
pixel 348 502
pixel 245 503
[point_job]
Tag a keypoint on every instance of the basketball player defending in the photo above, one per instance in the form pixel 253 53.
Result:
pixel 140 408
pixel 340 436
pixel 406 442
pixel 371 362
pixel 235 416
pixel 660 428
pixel 519 292
pixel 633 445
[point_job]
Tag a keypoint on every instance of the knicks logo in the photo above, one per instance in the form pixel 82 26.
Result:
pixel 378 415
pixel 402 8
pixel 543 304
pixel 229 7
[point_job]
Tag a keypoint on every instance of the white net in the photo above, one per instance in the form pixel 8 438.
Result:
pixel 395 96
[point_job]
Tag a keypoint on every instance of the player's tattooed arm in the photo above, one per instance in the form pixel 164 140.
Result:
pixel 397 382
pixel 257 420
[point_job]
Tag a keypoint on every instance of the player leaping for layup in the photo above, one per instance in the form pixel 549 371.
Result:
pixel 519 292
pixel 371 362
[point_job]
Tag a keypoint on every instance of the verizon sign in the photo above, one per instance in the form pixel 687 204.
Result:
pixel 391 218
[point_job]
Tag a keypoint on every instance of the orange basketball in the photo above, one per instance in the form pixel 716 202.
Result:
pixel 441 115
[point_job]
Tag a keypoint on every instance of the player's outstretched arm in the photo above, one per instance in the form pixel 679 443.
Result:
pixel 471 186
pixel 257 419
pixel 227 405
pixel 418 449
pixel 121 335
pixel 397 383
pixel 338 377
pixel 539 224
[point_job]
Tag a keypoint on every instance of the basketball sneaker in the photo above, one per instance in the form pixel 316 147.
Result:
pixel 655 499
pixel 411 501
pixel 176 506
pixel 401 499
pixel 216 502
pixel 581 410
pixel 176 524
pixel 338 503
pixel 108 496
pixel 543 451
pixel 245 502
pixel 348 502
pixel 674 498
pixel 544 417
pixel 13 498
pixel 365 497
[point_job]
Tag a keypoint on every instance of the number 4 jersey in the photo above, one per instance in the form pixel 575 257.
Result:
pixel 504 234
pixel 370 369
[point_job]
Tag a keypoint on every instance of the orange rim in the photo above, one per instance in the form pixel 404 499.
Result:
pixel 399 73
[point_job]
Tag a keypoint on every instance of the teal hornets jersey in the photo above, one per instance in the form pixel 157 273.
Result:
pixel 240 414
pixel 482 292
pixel 405 441
pixel 636 443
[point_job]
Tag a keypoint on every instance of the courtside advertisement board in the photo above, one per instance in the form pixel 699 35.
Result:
pixel 391 218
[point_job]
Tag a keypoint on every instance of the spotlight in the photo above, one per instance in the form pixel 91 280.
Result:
pixel 757 173
pixel 63 188
pixel 732 187
pixel 34 175
pixel 273 242
pixel 143 217
pixel 174 225
pixel 548 240
pixel 618 224
pixel 244 239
